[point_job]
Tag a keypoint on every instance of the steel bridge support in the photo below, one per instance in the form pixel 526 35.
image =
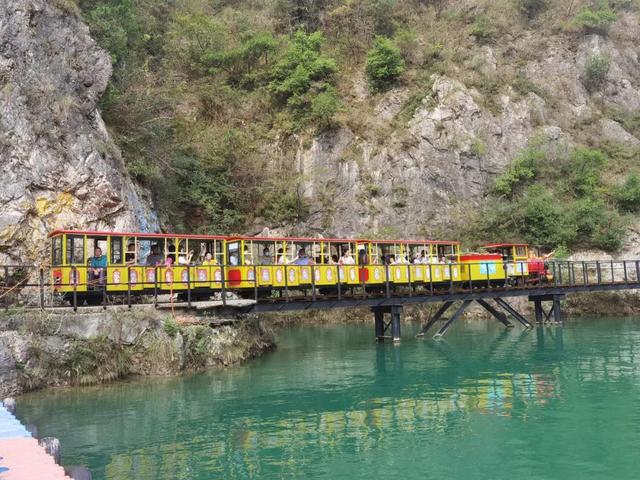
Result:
pixel 554 314
pixel 381 326
pixel 498 315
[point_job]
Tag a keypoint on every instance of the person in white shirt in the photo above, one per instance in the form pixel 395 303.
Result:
pixel 346 258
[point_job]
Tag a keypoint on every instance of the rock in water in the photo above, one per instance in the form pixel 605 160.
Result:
pixel 61 168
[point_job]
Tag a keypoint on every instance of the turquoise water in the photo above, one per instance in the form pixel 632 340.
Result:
pixel 551 403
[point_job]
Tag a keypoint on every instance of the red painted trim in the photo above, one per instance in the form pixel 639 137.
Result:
pixel 134 234
pixel 502 245
pixel 479 257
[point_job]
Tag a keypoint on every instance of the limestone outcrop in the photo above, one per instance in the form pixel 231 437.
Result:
pixel 419 177
pixel 60 166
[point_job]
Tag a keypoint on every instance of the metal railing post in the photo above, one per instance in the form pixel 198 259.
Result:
pixel 75 289
pixel 255 283
pixel 624 266
pixel 129 287
pixel 223 281
pixel 386 281
pixel 338 282
pixel 155 286
pixel 409 279
pixel 598 273
pixel 431 278
pixel 188 286
pixel 612 273
pixel 488 277
pixel 41 279
pixel 104 289
pixel 286 283
pixel 560 273
pixel 637 271
pixel 450 279
pixel 313 283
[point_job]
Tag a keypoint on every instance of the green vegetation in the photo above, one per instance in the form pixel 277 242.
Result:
pixel 596 71
pixel 210 103
pixel 559 198
pixel 384 64
pixel 596 20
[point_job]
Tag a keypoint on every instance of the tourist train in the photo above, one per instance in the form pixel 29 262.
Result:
pixel 90 264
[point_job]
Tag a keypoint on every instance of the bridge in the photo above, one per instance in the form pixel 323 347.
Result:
pixel 31 289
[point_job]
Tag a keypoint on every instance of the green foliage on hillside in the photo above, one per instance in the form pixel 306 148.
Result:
pixel 384 64
pixel 558 197
pixel 210 101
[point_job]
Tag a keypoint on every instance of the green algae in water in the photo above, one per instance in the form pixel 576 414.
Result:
pixel 549 403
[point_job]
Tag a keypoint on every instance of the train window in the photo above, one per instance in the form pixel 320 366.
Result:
pixel 144 247
pixel 521 251
pixel 233 249
pixel 116 250
pixel 182 247
pixel 130 252
pixel 75 250
pixel 56 251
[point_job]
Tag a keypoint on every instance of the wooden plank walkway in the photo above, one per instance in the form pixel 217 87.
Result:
pixel 21 457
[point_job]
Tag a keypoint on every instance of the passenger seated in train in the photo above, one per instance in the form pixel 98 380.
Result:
pixel 209 260
pixel 302 259
pixel 391 260
pixel 346 258
pixel 97 266
pixel 154 258
pixel 170 260
pixel 130 255
pixel 363 258
pixel 281 258
pixel 266 257
pixel 247 256
pixel 185 260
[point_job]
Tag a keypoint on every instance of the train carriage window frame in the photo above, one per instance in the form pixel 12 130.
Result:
pixel 126 241
pixel 56 251
pixel 75 253
pixel 116 256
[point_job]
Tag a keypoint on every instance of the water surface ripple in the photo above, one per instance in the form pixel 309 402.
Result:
pixel 550 403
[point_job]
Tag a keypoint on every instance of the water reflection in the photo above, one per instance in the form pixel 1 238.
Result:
pixel 332 403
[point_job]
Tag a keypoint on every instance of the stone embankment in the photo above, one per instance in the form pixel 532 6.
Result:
pixel 43 349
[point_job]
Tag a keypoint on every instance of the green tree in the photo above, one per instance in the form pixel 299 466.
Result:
pixel 585 169
pixel 627 196
pixel 384 64
pixel 523 169
pixel 303 73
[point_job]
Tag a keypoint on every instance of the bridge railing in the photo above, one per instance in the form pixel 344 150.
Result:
pixel 32 285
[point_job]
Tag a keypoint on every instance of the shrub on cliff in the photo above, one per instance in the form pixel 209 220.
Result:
pixel 384 64
pixel 627 196
pixel 596 70
pixel 597 20
pixel 303 74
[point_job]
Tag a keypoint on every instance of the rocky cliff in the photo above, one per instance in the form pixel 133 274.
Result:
pixel 423 175
pixel 60 167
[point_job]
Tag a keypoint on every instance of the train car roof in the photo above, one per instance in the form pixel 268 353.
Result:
pixel 343 240
pixel 498 245
pixel 135 234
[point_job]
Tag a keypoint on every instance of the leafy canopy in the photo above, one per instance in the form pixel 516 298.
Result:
pixel 384 64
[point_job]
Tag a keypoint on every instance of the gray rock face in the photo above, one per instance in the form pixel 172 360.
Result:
pixel 61 169
pixel 421 177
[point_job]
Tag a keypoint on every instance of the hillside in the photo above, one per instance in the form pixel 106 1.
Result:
pixel 474 119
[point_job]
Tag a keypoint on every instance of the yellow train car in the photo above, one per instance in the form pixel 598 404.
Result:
pixel 481 270
pixel 408 261
pixel 515 257
pixel 92 263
